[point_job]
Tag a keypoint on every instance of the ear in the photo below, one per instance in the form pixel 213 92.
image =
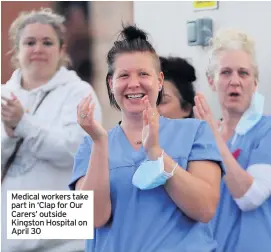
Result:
pixel 160 80
pixel 211 83
pixel 255 85
pixel 63 50
pixel 110 83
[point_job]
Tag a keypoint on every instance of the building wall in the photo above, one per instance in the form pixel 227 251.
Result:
pixel 169 33
pixel 106 21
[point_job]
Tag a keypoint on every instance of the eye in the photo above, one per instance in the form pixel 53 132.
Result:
pixel 30 43
pixel 144 74
pixel 47 43
pixel 165 99
pixel 226 72
pixel 123 75
pixel 243 73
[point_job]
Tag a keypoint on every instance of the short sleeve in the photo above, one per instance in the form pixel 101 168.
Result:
pixel 204 146
pixel 261 154
pixel 81 161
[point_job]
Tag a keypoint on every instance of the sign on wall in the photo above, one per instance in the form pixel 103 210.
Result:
pixel 205 5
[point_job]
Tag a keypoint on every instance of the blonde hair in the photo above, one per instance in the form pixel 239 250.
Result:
pixel 43 16
pixel 230 39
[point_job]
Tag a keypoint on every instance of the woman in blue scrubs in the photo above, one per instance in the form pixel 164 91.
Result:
pixel 243 219
pixel 155 180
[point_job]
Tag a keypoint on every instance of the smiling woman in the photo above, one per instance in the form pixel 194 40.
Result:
pixel 39 126
pixel 146 162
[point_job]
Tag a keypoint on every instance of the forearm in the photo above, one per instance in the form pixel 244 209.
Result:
pixel 237 179
pixel 97 180
pixel 194 196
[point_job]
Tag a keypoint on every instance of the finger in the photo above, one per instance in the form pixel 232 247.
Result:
pixel 204 104
pixel 91 110
pixel 86 106
pixel 199 107
pixel 144 98
pixel 150 110
pixel 81 105
pixel 199 94
pixel 5 113
pixel 145 118
pixel 5 107
pixel 145 101
pixel 8 101
pixel 5 118
pixel 196 113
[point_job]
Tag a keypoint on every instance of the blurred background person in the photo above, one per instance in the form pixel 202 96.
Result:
pixel 178 90
pixel 243 219
pixel 39 132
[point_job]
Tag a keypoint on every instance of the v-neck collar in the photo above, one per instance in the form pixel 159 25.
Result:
pixel 127 146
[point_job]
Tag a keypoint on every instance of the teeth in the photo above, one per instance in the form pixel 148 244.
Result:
pixel 135 96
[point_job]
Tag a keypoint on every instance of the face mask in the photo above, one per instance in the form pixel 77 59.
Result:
pixel 251 117
pixel 151 174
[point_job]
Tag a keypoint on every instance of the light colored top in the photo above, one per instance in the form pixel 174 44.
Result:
pixel 51 138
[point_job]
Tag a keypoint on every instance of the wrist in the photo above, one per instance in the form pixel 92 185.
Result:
pixel 101 139
pixel 154 153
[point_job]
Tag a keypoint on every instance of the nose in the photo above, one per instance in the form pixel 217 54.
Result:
pixel 235 79
pixel 133 82
pixel 38 47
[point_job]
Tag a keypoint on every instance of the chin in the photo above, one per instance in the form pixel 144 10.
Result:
pixel 134 110
pixel 235 109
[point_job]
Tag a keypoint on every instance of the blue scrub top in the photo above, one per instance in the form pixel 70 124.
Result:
pixel 148 220
pixel 249 231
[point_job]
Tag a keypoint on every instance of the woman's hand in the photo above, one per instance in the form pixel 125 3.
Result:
pixel 12 112
pixel 150 133
pixel 202 111
pixel 85 118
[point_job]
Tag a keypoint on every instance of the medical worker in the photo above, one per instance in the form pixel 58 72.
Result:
pixel 155 180
pixel 243 220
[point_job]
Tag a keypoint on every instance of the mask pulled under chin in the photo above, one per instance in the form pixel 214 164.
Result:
pixel 252 115
pixel 150 174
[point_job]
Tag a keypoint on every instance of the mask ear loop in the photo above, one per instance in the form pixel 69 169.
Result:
pixel 168 174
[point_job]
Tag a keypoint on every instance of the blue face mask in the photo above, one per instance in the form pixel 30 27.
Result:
pixel 252 116
pixel 150 174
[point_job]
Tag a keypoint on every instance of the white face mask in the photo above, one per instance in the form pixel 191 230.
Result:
pixel 252 116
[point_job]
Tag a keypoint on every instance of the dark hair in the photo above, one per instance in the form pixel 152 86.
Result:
pixel 181 74
pixel 132 40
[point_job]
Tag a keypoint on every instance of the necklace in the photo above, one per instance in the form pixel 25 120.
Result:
pixel 138 142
